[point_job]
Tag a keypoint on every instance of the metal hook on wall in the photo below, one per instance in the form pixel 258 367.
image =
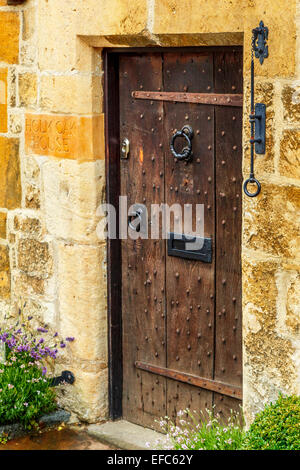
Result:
pixel 257 117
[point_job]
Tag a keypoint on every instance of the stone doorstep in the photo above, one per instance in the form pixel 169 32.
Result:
pixel 15 430
pixel 124 435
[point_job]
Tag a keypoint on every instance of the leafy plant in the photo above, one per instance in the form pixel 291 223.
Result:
pixel 277 427
pixel 25 386
pixel 202 432
pixel 3 439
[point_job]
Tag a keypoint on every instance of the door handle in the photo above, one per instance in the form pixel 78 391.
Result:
pixel 138 220
pixel 135 219
pixel 125 147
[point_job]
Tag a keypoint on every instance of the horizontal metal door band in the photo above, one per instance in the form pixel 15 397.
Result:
pixel 208 384
pixel 200 98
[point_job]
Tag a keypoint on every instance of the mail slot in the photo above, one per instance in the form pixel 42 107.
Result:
pixel 189 247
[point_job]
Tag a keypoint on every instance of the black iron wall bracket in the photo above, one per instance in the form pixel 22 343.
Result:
pixel 259 42
pixel 257 117
pixel 65 377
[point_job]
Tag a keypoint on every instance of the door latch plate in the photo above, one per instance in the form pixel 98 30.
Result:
pixel 260 128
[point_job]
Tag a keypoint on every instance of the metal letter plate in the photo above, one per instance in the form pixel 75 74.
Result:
pixel 177 247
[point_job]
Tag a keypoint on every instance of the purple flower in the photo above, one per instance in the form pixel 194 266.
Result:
pixel 55 334
pixel 70 339
pixel 62 345
pixel 44 370
pixel 42 330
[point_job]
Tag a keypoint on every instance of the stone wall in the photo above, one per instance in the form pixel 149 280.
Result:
pixel 52 265
pixel 52 175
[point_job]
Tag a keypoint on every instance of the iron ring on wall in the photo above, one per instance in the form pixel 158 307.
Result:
pixel 187 133
pixel 255 181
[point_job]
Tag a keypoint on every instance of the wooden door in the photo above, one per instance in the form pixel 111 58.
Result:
pixel 181 316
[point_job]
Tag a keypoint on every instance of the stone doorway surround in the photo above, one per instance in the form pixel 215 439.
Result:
pixel 63 183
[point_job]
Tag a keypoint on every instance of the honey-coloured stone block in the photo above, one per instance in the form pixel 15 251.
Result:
pixel 34 257
pixel 293 303
pixel 291 103
pixel 10 179
pixel 3 218
pixel 271 221
pixel 57 19
pixel 27 89
pixel 29 225
pixel 68 137
pixel 268 354
pixel 15 123
pixel 51 135
pixel 3 100
pixel 28 285
pixel 28 23
pixel 88 397
pixel 9 37
pixel 4 272
pixel 81 288
pixel 289 162
pixel 72 194
pixel 28 53
pixel 76 94
pixel 12 87
pixel 31 168
pixel 32 197
pixel 259 277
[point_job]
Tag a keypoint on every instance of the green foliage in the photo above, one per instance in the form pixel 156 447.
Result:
pixel 203 432
pixel 25 393
pixel 3 439
pixel 277 427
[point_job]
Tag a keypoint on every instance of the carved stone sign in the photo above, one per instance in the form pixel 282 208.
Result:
pixel 69 137
pixel 51 135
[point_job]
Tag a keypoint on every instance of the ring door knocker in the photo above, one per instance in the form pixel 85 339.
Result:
pixel 257 117
pixel 187 133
